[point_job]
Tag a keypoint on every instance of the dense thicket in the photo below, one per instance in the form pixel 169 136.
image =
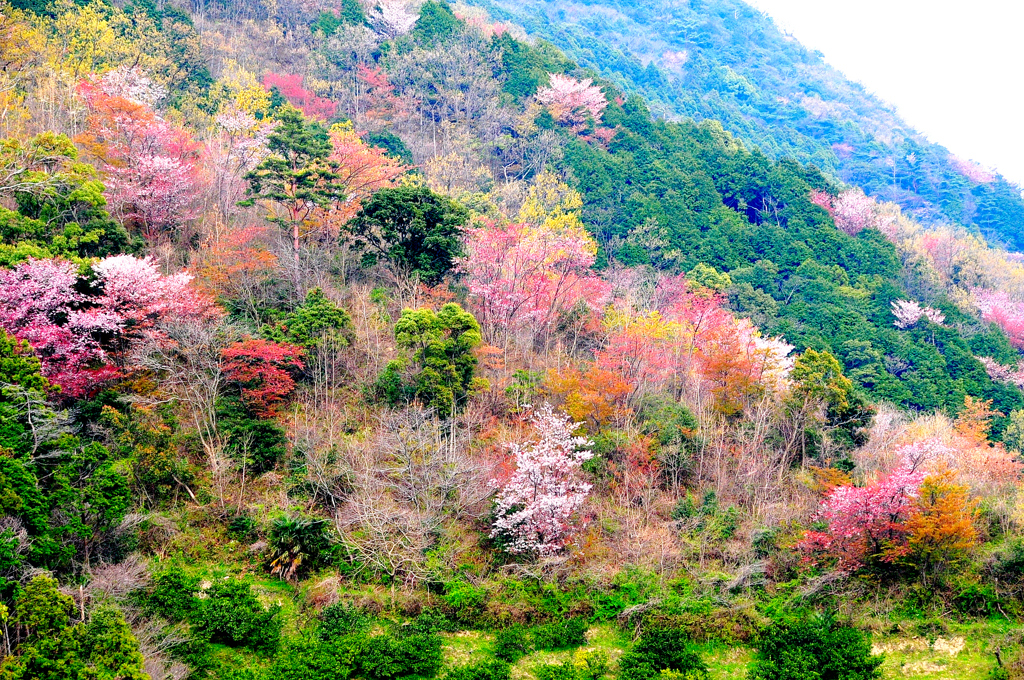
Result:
pixel 376 343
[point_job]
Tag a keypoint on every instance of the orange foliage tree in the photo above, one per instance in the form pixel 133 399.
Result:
pixel 361 171
pixel 241 271
pixel 941 531
pixel 592 395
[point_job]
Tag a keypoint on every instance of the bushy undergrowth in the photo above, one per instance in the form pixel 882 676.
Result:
pixel 813 647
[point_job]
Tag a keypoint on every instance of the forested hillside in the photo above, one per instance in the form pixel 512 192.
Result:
pixel 724 60
pixel 380 341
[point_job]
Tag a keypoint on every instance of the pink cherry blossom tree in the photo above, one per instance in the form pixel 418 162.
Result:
pixel 290 87
pixel 237 147
pixel 41 306
pixel 520 274
pixel 83 340
pixel 572 101
pixel 537 508
pixel 972 170
pixel 997 307
pixel 392 18
pixel 1012 375
pixel 908 313
pixel 852 210
pixel 867 523
pixel 137 296
pixel 152 179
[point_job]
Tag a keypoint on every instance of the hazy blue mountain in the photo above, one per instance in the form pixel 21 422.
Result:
pixel 725 60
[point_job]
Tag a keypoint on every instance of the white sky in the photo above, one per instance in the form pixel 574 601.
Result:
pixel 952 68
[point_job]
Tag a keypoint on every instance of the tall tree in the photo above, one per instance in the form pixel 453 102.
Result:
pixel 536 509
pixel 297 176
pixel 417 232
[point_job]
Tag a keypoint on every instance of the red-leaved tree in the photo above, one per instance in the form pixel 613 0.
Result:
pixel 264 372
pixel 290 87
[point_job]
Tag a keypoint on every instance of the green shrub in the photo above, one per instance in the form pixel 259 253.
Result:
pixel 1009 562
pixel 255 443
pixel 562 671
pixel 590 665
pixel 308 658
pixel 102 648
pixel 242 528
pixel 230 614
pixel 560 635
pixel 512 643
pixel 660 649
pixel 765 542
pixel 428 622
pixel 465 599
pixel 814 648
pixel 172 595
pixel 384 657
pixel 342 619
pixel 488 669
pixel 977 600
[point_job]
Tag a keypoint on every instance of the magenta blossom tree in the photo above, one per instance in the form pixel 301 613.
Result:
pixel 83 340
pixel 866 523
pixel 41 306
pixel 537 509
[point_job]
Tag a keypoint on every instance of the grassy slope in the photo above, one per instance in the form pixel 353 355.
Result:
pixel 965 652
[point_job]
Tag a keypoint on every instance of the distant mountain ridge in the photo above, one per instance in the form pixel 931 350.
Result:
pixel 727 61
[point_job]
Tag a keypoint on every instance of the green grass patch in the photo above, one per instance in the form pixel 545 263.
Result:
pixel 726 662
pixel 963 652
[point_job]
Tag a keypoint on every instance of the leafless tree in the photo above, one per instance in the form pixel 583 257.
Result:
pixel 113 582
pixel 188 358
pixel 410 479
pixel 43 422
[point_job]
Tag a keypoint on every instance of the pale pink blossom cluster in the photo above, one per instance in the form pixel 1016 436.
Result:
pixel 239 146
pixel 571 101
pixel 852 210
pixel 1012 375
pixel 392 18
pixel 139 295
pixel 972 170
pixel 523 275
pixel 997 307
pixel 537 508
pixel 926 453
pixel 908 313
pixel 150 190
pixel 132 83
